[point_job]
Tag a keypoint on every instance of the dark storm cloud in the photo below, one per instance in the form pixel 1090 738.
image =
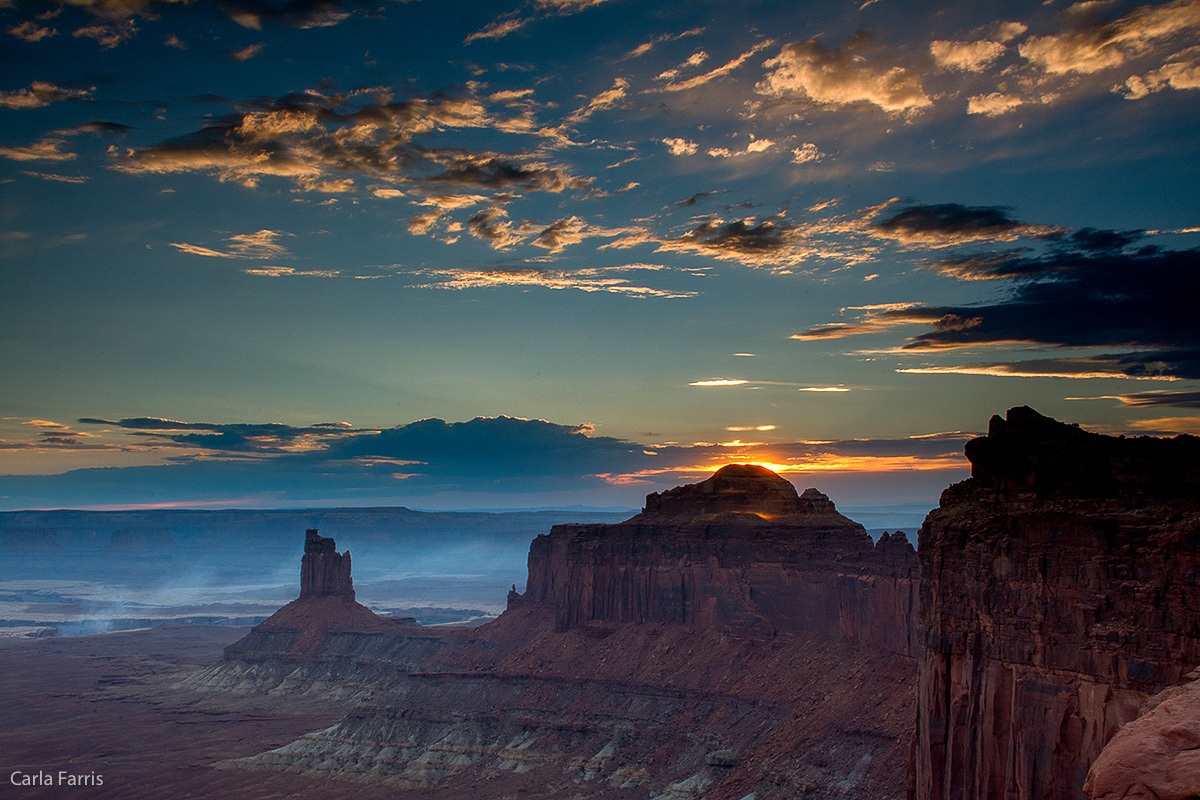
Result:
pixel 495 447
pixel 1086 290
pixel 1144 299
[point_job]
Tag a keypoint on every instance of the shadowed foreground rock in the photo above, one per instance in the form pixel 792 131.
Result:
pixel 1060 588
pixel 733 639
pixel 1157 756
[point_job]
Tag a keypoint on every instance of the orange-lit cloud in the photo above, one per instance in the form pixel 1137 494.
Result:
pixel 258 245
pixel 859 74
pixel 724 69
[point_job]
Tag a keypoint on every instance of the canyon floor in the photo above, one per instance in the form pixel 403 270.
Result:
pixel 103 705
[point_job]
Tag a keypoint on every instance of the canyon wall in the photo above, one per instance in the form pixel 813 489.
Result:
pixel 1060 588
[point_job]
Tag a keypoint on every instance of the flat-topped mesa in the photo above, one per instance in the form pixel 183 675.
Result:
pixel 740 552
pixel 324 572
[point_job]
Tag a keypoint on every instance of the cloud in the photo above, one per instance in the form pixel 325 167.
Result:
pixel 561 233
pixel 944 224
pixel 534 11
pixel 498 171
pixel 680 147
pixel 492 224
pixel 606 99
pixel 258 245
pixel 1182 72
pixel 1168 426
pixel 270 438
pixel 806 154
pixel 49 176
pixel 858 74
pixel 753 146
pixel 724 69
pixel 30 31
pixel 747 240
pixel 594 279
pixel 292 272
pixel 1159 399
pixel 1094 45
pixel 1111 365
pixel 688 202
pixel 42 93
pixel 113 22
pixel 646 47
pixel 276 464
pixel 321 142
pixel 968 56
pixel 48 149
pixel 247 53
pixel 1089 289
pixel 994 104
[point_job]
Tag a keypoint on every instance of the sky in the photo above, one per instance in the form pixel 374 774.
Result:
pixel 281 253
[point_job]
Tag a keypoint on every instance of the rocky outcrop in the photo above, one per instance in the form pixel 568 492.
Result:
pixel 324 572
pixel 1060 588
pixel 1158 754
pixel 741 553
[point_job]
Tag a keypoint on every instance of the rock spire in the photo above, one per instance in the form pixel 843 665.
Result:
pixel 324 572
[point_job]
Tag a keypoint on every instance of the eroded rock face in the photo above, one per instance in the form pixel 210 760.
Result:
pixel 1157 756
pixel 740 552
pixel 1060 588
pixel 324 572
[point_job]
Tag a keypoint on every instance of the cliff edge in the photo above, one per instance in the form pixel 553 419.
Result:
pixel 1060 587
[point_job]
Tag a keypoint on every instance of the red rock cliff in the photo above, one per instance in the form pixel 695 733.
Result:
pixel 740 552
pixel 1060 587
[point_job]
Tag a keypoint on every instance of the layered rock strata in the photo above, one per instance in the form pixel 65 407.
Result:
pixel 699 555
pixel 1060 588
pixel 717 645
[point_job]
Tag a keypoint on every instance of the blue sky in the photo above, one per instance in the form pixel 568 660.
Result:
pixel 454 255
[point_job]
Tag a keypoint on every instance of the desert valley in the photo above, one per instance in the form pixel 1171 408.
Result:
pixel 736 639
